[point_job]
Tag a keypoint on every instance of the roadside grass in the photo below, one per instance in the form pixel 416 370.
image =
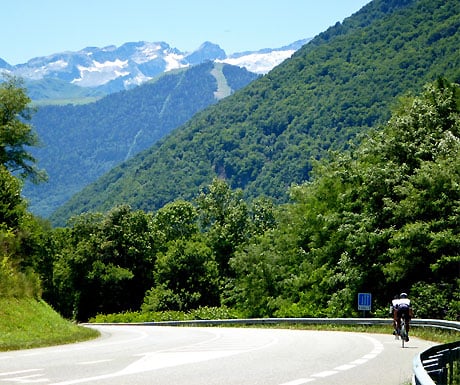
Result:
pixel 29 323
pixel 441 336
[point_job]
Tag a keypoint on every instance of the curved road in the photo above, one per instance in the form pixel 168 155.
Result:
pixel 160 355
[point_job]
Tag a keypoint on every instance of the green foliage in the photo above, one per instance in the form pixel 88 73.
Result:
pixel 202 313
pixel 436 300
pixel 15 133
pixel 224 216
pixel 105 264
pixel 15 283
pixel 186 277
pixel 175 259
pixel 12 205
pixel 18 234
pixel 176 220
pixel 377 218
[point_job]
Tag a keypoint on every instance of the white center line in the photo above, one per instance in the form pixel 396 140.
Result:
pixel 378 348
pixel 326 373
pixel 300 381
pixel 345 367
pixel 92 362
pixel 19 372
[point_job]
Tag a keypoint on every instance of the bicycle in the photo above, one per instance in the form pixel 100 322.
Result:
pixel 403 331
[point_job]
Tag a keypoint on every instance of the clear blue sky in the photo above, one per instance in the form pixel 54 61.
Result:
pixel 32 28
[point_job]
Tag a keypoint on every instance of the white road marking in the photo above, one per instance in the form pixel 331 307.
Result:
pixel 30 379
pixel 378 348
pixel 370 356
pixel 202 351
pixel 300 381
pixel 92 362
pixel 326 373
pixel 19 372
pixel 153 361
pixel 359 361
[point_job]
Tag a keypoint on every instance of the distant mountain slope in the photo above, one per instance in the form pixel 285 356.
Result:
pixel 264 137
pixel 97 71
pixel 83 142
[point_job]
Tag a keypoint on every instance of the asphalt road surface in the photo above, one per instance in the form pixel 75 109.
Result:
pixel 160 355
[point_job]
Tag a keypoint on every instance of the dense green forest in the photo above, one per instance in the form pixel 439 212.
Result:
pixel 82 142
pixel 266 136
pixel 382 216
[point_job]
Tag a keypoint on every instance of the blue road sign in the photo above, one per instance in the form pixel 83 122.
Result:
pixel 364 301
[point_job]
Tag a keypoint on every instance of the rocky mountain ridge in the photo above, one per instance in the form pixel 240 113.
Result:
pixel 101 71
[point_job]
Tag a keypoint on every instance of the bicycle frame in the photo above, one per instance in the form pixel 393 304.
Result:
pixel 403 331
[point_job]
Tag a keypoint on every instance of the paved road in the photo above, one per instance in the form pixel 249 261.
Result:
pixel 157 355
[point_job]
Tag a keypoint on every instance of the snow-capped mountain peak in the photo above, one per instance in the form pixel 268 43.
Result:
pixel 115 68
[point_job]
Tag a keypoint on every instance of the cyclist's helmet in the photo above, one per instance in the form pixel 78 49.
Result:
pixel 403 295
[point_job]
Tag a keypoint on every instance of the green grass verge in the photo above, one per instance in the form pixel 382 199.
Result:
pixel 27 323
pixel 441 336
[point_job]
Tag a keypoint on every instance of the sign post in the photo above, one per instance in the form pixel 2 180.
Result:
pixel 364 302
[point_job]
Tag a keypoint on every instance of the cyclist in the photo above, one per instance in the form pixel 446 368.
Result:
pixel 393 314
pixel 402 306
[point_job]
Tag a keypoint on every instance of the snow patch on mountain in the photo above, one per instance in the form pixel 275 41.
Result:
pixel 100 73
pixel 135 80
pixel 174 61
pixel 260 63
pixel 115 68
pixel 146 53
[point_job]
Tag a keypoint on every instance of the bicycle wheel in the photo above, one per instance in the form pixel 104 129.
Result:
pixel 403 333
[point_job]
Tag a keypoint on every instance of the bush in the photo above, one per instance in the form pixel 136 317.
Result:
pixel 435 301
pixel 203 313
pixel 18 284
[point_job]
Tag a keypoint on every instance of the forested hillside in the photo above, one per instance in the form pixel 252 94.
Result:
pixel 382 217
pixel 264 137
pixel 82 142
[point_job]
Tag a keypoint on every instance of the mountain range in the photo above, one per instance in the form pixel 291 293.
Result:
pixel 94 72
pixel 264 137
pixel 81 142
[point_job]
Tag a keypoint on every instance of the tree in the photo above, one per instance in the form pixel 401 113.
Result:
pixel 176 220
pixel 225 218
pixel 12 206
pixel 19 237
pixel 107 263
pixel 186 278
pixel 15 133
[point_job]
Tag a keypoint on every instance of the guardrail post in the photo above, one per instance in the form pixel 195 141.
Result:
pixel 438 365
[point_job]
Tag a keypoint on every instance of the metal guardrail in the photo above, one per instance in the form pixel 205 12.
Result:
pixel 274 321
pixel 450 325
pixel 438 365
pixel 436 323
